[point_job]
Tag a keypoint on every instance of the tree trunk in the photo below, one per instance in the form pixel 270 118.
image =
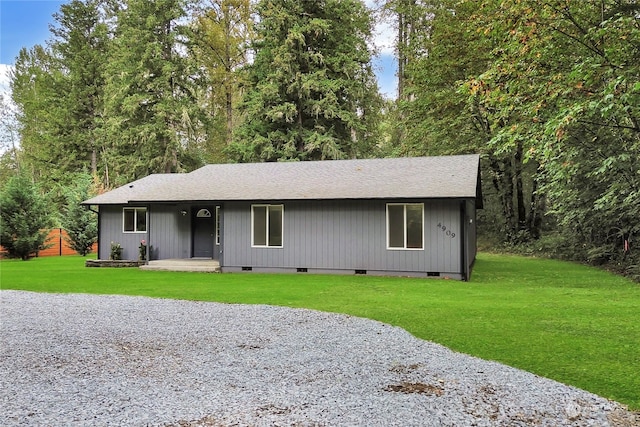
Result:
pixel 503 183
pixel 106 174
pixel 401 53
pixel 508 208
pixel 94 162
pixel 229 115
pixel 535 211
pixel 228 80
pixel 522 212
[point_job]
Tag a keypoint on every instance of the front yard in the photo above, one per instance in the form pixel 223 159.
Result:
pixel 560 320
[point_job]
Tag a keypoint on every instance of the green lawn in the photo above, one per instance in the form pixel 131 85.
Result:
pixel 564 321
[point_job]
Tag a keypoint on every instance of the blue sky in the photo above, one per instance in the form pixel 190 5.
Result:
pixel 25 23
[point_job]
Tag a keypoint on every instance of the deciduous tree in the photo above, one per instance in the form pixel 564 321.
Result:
pixel 568 71
pixel 223 33
pixel 442 113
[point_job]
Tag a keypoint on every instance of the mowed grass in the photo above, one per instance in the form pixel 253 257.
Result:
pixel 575 324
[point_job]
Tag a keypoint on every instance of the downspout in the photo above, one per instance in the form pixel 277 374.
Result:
pixel 220 234
pixel 464 255
pixel 97 213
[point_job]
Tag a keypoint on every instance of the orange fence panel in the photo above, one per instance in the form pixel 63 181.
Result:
pixel 59 245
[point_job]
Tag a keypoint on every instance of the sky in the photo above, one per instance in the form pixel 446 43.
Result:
pixel 25 23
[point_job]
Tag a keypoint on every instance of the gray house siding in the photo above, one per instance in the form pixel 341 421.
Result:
pixel 111 231
pixel 169 233
pixel 319 236
pixel 471 234
pixel 345 235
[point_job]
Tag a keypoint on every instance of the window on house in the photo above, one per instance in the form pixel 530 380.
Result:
pixel 134 220
pixel 217 225
pixel 405 225
pixel 266 229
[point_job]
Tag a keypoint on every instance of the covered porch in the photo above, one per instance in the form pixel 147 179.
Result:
pixel 202 265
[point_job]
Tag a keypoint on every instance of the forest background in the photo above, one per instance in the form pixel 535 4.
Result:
pixel 548 92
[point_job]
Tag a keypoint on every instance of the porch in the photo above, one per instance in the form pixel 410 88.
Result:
pixel 202 265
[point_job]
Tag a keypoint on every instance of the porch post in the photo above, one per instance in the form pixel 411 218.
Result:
pixel 148 252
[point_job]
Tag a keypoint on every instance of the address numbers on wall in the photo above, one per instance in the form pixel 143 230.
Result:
pixel 446 230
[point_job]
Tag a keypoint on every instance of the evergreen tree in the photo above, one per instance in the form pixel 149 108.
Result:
pixel 58 91
pixel 33 89
pixel 80 44
pixel 412 19
pixel 79 222
pixel 9 141
pixel 311 92
pixel 151 112
pixel 24 218
pixel 223 31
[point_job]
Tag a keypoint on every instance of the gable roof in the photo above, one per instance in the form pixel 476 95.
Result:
pixel 394 178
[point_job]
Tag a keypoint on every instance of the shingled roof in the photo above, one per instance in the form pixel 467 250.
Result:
pixel 440 177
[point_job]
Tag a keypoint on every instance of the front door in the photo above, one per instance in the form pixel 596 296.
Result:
pixel 204 232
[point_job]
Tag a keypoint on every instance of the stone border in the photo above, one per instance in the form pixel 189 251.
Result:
pixel 112 263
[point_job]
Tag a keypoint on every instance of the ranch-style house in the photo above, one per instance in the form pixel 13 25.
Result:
pixel 412 216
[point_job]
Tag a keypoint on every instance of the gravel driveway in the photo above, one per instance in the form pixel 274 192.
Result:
pixel 86 360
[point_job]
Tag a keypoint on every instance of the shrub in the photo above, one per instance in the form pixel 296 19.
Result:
pixel 116 251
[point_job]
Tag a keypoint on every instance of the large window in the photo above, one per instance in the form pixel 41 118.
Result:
pixel 405 225
pixel 266 225
pixel 134 220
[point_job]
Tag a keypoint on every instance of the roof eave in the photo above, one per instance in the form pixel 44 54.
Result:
pixel 311 199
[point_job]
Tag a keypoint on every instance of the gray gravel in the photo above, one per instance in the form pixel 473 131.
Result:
pixel 111 360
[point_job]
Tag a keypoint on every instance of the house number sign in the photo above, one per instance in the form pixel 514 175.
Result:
pixel 446 231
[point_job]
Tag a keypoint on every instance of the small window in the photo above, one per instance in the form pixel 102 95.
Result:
pixel 204 213
pixel 134 220
pixel 217 225
pixel 267 225
pixel 405 226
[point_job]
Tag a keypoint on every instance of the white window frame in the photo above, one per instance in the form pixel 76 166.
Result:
pixel 404 227
pixel 135 220
pixel 217 225
pixel 267 225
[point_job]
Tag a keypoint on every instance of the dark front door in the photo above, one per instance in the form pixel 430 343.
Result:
pixel 204 232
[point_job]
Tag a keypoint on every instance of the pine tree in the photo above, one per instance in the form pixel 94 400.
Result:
pixel 81 40
pixel 58 91
pixel 311 92
pixel 79 222
pixel 24 218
